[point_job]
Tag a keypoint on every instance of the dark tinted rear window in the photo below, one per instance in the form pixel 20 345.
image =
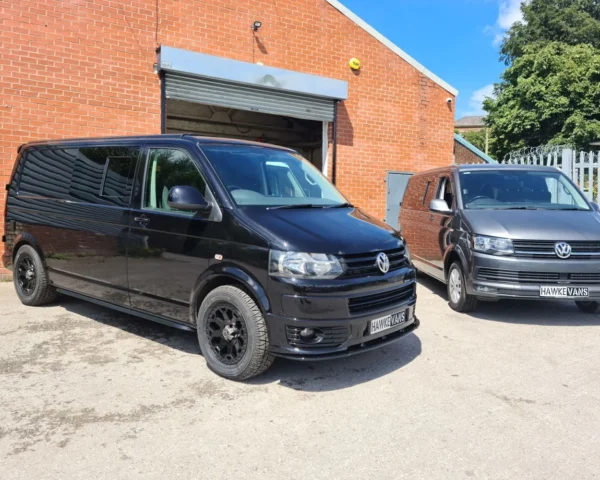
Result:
pixel 92 174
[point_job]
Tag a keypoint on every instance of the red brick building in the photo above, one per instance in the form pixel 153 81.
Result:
pixel 73 68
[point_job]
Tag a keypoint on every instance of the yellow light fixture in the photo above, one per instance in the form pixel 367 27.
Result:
pixel 354 64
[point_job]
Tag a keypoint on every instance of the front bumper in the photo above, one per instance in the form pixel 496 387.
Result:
pixel 357 339
pixel 530 289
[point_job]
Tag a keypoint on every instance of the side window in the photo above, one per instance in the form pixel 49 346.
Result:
pixel 104 175
pixel 446 191
pixel 47 172
pixel 425 192
pixel 118 177
pixel 168 168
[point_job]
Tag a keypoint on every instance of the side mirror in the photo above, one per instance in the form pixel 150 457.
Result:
pixel 438 205
pixel 188 199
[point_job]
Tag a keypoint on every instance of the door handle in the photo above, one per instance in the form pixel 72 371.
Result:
pixel 142 220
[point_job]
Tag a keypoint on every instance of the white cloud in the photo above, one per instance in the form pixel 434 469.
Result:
pixel 509 12
pixel 477 98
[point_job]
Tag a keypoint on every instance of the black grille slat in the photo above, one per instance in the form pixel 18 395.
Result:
pixel 379 301
pixel 365 264
pixel 492 274
pixel 581 250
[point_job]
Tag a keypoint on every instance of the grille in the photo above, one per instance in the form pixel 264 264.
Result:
pixel 332 337
pixel 380 300
pixel 585 277
pixel 492 274
pixel 545 249
pixel 365 264
pixel 516 277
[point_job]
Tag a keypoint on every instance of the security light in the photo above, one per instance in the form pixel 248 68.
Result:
pixel 256 25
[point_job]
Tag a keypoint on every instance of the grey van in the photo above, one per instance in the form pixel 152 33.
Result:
pixel 504 231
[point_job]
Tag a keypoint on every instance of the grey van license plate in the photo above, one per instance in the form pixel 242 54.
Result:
pixel 564 292
pixel 385 323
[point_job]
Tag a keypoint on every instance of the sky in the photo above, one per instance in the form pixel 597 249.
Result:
pixel 458 40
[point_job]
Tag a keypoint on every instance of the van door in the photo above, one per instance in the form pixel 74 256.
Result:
pixel 75 204
pixel 168 249
pixel 415 220
pixel 439 226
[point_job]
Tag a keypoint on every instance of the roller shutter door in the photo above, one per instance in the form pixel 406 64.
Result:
pixel 220 93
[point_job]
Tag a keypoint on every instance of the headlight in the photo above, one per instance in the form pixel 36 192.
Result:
pixel 304 265
pixel 493 245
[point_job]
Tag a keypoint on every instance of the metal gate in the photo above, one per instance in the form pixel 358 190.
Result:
pixel 581 167
pixel 396 186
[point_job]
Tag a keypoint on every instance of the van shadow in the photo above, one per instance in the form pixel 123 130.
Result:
pixel 183 340
pixel 319 376
pixel 330 375
pixel 525 312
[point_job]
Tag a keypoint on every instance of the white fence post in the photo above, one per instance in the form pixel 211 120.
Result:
pixel 567 162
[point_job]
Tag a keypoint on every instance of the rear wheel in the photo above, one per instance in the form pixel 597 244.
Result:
pixel 458 298
pixel 588 307
pixel 31 279
pixel 232 333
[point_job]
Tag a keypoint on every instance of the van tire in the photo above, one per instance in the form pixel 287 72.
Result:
pixel 232 302
pixel 588 307
pixel 29 263
pixel 458 298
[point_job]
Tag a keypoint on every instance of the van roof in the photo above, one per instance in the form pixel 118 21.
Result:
pixel 171 138
pixel 487 167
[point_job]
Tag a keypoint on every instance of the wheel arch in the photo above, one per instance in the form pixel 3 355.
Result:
pixel 26 239
pixel 227 275
pixel 453 255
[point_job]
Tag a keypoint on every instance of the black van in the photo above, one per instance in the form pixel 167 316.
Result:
pixel 244 242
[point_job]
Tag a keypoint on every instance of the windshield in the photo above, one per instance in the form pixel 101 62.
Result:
pixel 258 176
pixel 519 190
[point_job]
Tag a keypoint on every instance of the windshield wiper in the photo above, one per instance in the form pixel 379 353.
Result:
pixel 522 208
pixel 341 205
pixel 299 205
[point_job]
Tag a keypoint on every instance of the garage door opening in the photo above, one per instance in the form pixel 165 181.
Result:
pixel 307 137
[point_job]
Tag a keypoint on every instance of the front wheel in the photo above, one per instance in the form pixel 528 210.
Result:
pixel 232 333
pixel 458 298
pixel 588 307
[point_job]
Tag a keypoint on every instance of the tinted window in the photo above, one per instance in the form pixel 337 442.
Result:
pixel 47 172
pixel 118 177
pixel 425 192
pixel 168 168
pixel 104 175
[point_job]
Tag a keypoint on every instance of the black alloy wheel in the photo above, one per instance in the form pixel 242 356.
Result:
pixel 26 275
pixel 227 333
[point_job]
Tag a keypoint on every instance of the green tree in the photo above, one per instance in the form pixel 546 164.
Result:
pixel 475 138
pixel 547 95
pixel 567 21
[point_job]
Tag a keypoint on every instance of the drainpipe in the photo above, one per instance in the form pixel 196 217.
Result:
pixel 334 155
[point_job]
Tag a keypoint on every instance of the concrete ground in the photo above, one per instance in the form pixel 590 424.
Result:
pixel 510 392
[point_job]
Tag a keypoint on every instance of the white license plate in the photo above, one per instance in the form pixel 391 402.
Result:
pixel 564 292
pixel 385 323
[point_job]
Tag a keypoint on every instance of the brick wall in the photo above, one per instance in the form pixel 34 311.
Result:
pixel 462 155
pixel 85 68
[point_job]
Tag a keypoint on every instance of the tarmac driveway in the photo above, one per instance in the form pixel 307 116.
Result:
pixel 511 392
